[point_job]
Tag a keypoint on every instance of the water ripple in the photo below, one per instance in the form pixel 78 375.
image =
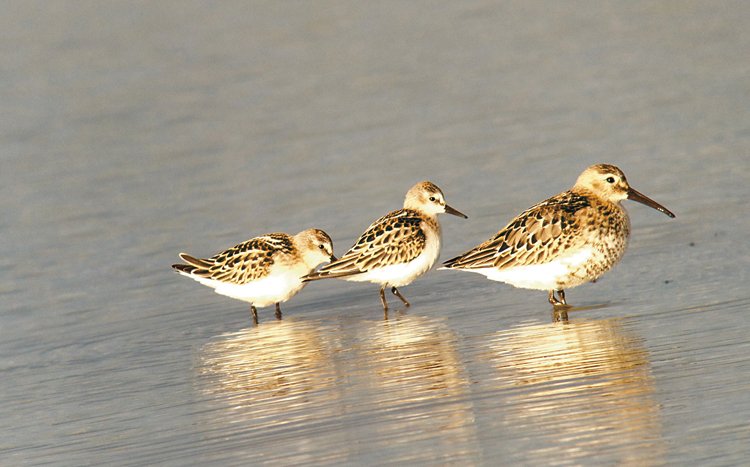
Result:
pixel 583 387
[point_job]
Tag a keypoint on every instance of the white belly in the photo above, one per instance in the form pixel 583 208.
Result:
pixel 398 275
pixel 277 287
pixel 560 273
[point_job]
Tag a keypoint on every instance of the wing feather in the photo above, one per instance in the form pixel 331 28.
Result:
pixel 393 239
pixel 243 263
pixel 535 236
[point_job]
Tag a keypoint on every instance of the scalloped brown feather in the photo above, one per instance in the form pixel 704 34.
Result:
pixel 541 233
pixel 395 238
pixel 243 263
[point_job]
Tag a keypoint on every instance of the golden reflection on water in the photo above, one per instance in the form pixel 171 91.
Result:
pixel 583 388
pixel 420 389
pixel 572 390
pixel 281 366
pixel 412 358
pixel 403 375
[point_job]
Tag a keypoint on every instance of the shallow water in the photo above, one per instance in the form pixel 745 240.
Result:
pixel 131 132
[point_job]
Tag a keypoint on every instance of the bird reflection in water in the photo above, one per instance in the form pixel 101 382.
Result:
pixel 419 394
pixel 576 390
pixel 279 368
pixel 388 390
pixel 560 313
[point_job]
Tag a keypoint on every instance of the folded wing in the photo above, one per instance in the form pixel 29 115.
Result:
pixel 395 238
pixel 534 237
pixel 243 263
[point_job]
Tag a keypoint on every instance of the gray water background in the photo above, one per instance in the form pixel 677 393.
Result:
pixel 131 131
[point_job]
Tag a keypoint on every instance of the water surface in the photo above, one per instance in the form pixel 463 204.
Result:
pixel 133 131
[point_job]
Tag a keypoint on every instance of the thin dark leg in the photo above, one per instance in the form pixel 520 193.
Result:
pixel 552 299
pixel 382 299
pixel 278 311
pixel 559 300
pixel 255 314
pixel 398 294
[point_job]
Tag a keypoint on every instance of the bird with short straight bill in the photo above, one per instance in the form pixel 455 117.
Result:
pixel 397 248
pixel 264 270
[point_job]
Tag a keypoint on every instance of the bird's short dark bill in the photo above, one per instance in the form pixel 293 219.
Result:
pixel 635 195
pixel 450 210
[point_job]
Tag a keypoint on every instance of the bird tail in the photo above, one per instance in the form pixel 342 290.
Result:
pixel 184 269
pixel 448 264
pixel 317 275
pixel 193 261
pixel 195 266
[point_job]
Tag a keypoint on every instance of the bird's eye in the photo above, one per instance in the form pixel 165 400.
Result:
pixel 610 179
pixel 321 246
pixel 432 198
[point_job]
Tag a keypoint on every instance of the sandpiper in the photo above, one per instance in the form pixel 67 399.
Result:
pixel 263 270
pixel 565 241
pixel 398 247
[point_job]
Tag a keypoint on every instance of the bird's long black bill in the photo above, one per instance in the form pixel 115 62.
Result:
pixel 635 195
pixel 455 212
